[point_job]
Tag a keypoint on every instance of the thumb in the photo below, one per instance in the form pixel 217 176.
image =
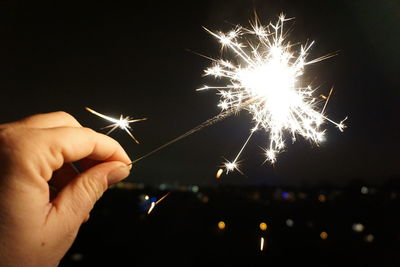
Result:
pixel 77 198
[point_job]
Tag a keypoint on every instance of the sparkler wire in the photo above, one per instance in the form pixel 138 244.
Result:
pixel 201 126
pixel 264 78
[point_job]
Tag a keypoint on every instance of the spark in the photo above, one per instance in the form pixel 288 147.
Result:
pixel 262 244
pixel 155 203
pixel 152 205
pixel 219 173
pixel 123 123
pixel 230 166
pixel 265 78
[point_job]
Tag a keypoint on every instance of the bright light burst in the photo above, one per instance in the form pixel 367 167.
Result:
pixel 122 123
pixel 265 79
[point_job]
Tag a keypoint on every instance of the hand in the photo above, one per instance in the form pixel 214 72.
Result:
pixel 43 201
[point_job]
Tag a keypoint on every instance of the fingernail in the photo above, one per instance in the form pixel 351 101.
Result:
pixel 118 174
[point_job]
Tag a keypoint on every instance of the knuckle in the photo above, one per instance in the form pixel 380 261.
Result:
pixel 64 114
pixel 8 137
pixel 15 145
pixel 68 118
pixel 89 131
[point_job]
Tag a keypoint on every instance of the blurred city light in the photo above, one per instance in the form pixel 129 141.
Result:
pixel 369 238
pixel 321 198
pixel 358 227
pixel 221 225
pixel 289 222
pixel 323 235
pixel 263 226
pixel 364 190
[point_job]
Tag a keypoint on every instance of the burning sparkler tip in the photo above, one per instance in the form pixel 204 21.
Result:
pixel 341 125
pixel 265 81
pixel 230 166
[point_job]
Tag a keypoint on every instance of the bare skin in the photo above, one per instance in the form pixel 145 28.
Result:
pixel 43 200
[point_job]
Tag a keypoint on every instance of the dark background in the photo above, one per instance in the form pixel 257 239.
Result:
pixel 137 60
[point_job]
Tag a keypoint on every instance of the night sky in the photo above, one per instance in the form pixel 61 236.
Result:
pixel 137 61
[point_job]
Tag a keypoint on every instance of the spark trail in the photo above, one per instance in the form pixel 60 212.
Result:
pixel 264 76
pixel 122 123
pixel 199 127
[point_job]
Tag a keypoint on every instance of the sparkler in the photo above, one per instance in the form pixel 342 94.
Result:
pixel 264 79
pixel 122 123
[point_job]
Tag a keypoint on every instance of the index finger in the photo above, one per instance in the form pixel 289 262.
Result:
pixel 69 144
pixel 47 120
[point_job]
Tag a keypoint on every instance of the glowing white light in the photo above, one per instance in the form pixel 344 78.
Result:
pixel 195 189
pixel 358 227
pixel 262 243
pixel 364 190
pixel 265 79
pixel 289 223
pixel 230 166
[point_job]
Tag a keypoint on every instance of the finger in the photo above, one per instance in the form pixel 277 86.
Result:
pixel 76 200
pixel 87 163
pixel 61 178
pixel 48 120
pixel 67 144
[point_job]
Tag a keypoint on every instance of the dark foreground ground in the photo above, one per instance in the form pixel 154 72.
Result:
pixel 357 225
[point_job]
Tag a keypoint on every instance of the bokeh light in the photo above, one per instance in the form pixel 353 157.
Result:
pixel 358 227
pixel 263 226
pixel 324 235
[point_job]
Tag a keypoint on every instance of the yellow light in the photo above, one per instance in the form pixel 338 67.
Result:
pixel 324 235
pixel 263 226
pixel 146 197
pixel 221 225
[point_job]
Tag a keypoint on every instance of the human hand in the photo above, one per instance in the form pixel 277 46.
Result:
pixel 36 226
